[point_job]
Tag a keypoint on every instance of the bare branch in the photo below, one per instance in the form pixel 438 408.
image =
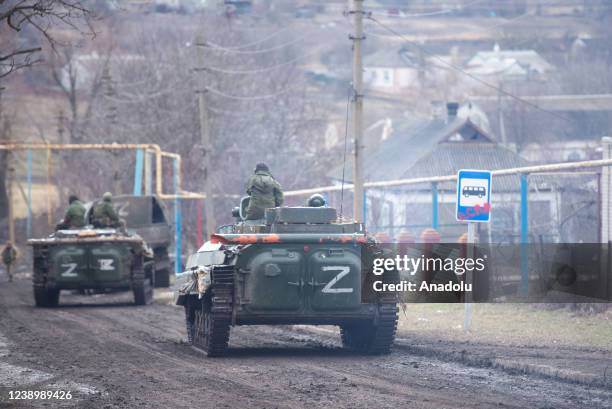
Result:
pixel 40 16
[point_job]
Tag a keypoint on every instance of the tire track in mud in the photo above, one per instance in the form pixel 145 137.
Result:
pixel 135 356
pixel 508 358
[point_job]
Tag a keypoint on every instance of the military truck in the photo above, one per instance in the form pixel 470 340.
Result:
pixel 300 265
pixel 91 259
pixel 147 217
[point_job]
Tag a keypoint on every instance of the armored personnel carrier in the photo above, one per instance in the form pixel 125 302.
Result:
pixel 299 265
pixel 91 259
pixel 147 217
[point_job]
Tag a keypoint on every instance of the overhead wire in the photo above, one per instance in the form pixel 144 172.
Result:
pixel 478 28
pixel 252 52
pixel 503 23
pixel 438 12
pixel 239 47
pixel 236 114
pixel 247 98
pixel 237 50
pixel 467 74
pixel 263 69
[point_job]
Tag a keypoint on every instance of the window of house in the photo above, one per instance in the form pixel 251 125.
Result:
pixel 387 77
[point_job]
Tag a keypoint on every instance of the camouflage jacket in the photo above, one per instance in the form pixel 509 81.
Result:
pixel 75 215
pixel 104 215
pixel 9 254
pixel 265 193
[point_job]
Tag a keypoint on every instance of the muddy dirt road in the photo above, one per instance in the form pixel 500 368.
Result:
pixel 109 354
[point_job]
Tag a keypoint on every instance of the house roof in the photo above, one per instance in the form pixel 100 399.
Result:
pixel 528 59
pixel 389 58
pixel 435 148
pixel 448 158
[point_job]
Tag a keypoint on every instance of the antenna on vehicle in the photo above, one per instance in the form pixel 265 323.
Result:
pixel 348 104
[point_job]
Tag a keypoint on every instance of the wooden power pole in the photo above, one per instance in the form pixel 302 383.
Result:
pixel 207 146
pixel 358 37
pixel 11 198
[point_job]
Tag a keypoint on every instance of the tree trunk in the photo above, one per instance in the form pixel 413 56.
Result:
pixel 3 192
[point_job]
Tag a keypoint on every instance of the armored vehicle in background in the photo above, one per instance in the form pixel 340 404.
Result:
pixel 91 259
pixel 298 266
pixel 147 217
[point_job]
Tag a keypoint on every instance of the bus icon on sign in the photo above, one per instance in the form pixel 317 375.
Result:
pixel 478 191
pixel 473 195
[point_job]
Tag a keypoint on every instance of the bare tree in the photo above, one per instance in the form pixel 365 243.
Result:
pixel 81 81
pixel 35 19
pixel 5 133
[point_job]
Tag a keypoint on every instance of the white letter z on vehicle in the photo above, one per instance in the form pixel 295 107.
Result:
pixel 343 270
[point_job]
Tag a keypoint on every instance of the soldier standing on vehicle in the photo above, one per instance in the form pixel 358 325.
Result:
pixel 104 214
pixel 9 255
pixel 265 192
pixel 74 218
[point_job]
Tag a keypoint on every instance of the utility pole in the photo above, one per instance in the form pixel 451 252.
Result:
pixel 357 38
pixel 500 115
pixel 207 146
pixel 11 201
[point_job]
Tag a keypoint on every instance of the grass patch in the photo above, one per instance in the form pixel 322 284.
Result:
pixel 509 324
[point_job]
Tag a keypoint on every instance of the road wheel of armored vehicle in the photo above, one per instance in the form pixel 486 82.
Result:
pixel 213 314
pixel 141 284
pixel 46 297
pixel 372 337
pixel 190 307
pixel 211 324
pixel 162 267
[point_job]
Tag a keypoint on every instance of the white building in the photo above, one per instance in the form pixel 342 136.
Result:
pixel 509 64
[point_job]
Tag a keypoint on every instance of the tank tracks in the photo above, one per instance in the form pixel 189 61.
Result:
pixel 141 285
pixel 212 316
pixel 372 337
pixel 44 296
pixel 163 267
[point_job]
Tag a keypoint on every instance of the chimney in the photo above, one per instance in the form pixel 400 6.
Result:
pixel 437 110
pixel 451 111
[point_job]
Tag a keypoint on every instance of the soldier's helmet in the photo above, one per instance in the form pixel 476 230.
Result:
pixel 107 197
pixel 316 200
pixel 262 167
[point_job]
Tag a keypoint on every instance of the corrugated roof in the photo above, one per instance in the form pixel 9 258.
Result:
pixel 425 150
pixel 389 58
pixel 385 160
pixel 449 157
pixel 526 58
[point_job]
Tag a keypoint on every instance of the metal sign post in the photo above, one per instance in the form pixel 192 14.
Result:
pixel 471 240
pixel 473 206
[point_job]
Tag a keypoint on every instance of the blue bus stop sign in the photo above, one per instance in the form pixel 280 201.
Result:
pixel 474 195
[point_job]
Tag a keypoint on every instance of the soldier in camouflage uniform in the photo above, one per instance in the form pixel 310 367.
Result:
pixel 265 192
pixel 104 214
pixel 9 255
pixel 74 217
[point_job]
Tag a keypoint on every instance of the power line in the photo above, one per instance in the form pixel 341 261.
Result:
pixel 137 99
pixel 251 52
pixel 492 27
pixel 438 12
pixel 239 47
pixel 237 114
pixel 472 76
pixel 248 98
pixel 503 23
pixel 257 70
